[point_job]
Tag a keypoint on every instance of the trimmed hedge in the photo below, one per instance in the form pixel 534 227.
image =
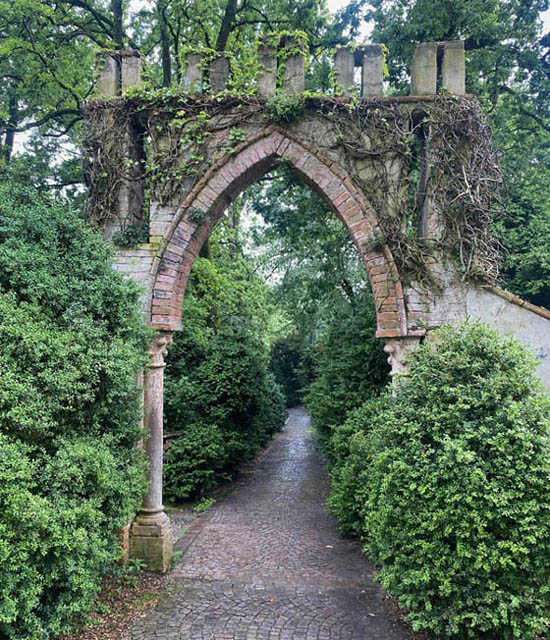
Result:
pixel 446 482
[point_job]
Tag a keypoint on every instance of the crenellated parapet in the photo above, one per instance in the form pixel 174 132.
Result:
pixel 357 70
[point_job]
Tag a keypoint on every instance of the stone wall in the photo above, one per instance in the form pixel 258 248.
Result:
pixel 514 317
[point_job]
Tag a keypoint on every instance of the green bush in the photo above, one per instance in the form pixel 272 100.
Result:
pixel 222 392
pixel 447 485
pixel 350 367
pixel 195 461
pixel 350 452
pixel 285 363
pixel 71 343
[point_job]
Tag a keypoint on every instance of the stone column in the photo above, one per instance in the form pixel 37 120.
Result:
pixel 193 74
pixel 151 533
pixel 294 68
pixel 119 70
pixel 267 62
pixel 218 74
pixel 108 74
pixel 130 61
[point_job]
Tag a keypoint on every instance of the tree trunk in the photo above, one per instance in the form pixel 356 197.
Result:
pixel 118 23
pixel 227 23
pixel 165 45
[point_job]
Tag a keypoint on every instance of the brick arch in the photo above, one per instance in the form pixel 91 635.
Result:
pixel 231 175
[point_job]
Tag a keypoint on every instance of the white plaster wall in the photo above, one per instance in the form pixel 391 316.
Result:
pixel 511 319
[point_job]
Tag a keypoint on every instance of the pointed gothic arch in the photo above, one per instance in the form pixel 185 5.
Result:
pixel 231 175
pixel 202 174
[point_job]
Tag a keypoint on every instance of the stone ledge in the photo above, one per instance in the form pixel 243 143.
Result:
pixel 510 297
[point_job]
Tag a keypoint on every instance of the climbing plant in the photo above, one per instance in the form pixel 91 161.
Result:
pixel 376 138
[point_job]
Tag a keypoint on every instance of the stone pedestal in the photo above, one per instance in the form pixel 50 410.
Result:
pixel 151 533
pixel 151 540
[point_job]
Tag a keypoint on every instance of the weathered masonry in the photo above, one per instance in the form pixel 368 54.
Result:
pixel 413 178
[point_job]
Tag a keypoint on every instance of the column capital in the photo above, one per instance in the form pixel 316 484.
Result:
pixel 397 350
pixel 158 348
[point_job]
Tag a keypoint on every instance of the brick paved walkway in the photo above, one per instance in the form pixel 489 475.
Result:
pixel 267 563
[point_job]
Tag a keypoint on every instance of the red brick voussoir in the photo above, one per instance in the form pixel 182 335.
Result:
pixel 232 174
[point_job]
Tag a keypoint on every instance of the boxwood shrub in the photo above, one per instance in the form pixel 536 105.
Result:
pixel 71 343
pixel 446 482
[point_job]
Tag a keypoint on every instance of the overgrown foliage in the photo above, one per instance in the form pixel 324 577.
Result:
pixel 379 142
pixel 286 358
pixel 227 404
pixel 326 353
pixel 71 343
pixel 446 481
pixel 219 392
pixel 508 70
pixel 349 366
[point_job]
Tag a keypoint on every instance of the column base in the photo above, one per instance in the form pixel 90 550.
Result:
pixel 151 540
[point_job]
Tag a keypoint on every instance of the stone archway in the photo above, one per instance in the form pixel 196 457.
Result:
pixel 183 238
pixel 204 150
pixel 231 175
pixel 204 168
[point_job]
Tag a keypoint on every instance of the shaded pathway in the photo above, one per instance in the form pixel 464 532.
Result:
pixel 267 562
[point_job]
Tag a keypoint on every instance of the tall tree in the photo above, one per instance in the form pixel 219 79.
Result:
pixel 228 25
pixel 47 54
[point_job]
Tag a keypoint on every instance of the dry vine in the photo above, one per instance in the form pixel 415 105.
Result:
pixel 379 134
pixel 466 184
pixel 463 181
pixel 106 165
pixel 380 140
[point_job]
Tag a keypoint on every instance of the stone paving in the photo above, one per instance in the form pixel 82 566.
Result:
pixel 267 562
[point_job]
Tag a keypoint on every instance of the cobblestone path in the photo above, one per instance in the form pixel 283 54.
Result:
pixel 267 563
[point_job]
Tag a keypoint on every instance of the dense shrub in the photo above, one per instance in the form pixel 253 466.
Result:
pixel 71 343
pixel 222 392
pixel 447 485
pixel 218 391
pixel 195 461
pixel 349 366
pixel 287 354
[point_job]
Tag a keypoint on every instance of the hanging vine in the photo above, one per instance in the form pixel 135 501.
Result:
pixel 377 139
pixel 467 183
